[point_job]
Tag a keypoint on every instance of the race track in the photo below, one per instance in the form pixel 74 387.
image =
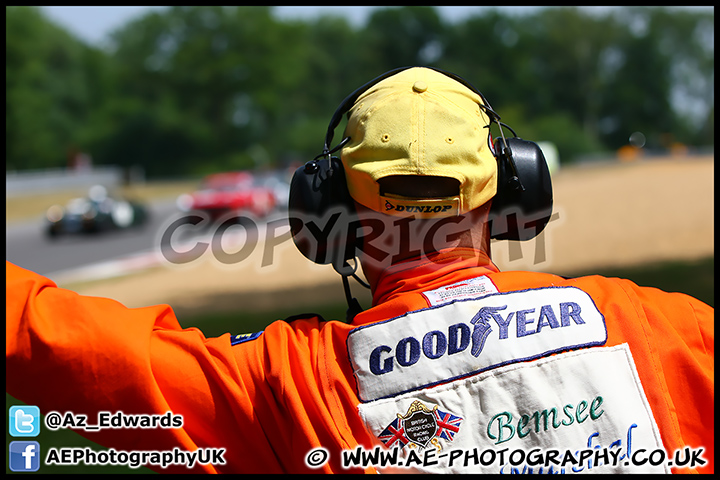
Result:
pixel 609 214
pixel 29 247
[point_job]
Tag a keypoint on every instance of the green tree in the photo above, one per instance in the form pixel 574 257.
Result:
pixel 402 36
pixel 49 92
pixel 190 90
pixel 530 71
pixel 664 86
pixel 570 53
pixel 596 75
pixel 331 47
pixel 227 72
pixel 485 50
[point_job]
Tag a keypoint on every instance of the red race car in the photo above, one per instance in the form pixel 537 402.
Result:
pixel 237 192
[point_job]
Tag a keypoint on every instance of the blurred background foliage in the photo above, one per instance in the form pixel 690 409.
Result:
pixel 191 90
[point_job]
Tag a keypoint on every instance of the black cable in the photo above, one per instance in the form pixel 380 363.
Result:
pixel 353 305
pixel 361 281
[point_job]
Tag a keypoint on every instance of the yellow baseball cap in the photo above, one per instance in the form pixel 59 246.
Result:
pixel 419 122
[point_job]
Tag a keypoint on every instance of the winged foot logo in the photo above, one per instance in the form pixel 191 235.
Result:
pixel 482 327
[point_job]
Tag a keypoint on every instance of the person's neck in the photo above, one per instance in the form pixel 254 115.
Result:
pixel 474 239
pixel 427 270
pixel 402 241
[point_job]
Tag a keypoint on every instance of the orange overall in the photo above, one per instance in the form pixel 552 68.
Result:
pixel 272 399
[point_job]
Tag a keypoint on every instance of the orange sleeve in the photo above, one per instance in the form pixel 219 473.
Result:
pixel 683 329
pixel 72 353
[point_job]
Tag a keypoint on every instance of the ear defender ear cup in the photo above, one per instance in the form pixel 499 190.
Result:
pixel 320 210
pixel 524 201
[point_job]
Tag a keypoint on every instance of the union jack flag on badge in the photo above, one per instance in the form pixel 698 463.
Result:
pixel 393 433
pixel 448 424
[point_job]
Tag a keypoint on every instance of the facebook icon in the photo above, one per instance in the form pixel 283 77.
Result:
pixel 24 456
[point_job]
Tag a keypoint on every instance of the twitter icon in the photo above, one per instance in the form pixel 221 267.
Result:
pixel 24 421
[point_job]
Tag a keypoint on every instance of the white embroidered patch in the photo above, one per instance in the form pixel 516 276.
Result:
pixel 473 288
pixel 453 340
pixel 587 402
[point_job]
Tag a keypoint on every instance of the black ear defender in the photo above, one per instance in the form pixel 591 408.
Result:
pixel 319 201
pixel 320 204
pixel 523 204
pixel 320 186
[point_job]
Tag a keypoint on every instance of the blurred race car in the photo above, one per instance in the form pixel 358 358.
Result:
pixel 237 192
pixel 95 213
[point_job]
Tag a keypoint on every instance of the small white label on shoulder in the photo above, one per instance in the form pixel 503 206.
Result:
pixel 457 339
pixel 472 288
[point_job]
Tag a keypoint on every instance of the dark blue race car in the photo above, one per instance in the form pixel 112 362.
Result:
pixel 95 213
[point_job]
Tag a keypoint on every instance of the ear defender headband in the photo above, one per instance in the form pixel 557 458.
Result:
pixel 320 203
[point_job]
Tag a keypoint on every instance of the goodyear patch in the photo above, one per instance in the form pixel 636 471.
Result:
pixel 244 337
pixel 464 337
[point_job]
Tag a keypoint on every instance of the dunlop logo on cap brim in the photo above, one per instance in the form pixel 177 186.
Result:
pixel 445 207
